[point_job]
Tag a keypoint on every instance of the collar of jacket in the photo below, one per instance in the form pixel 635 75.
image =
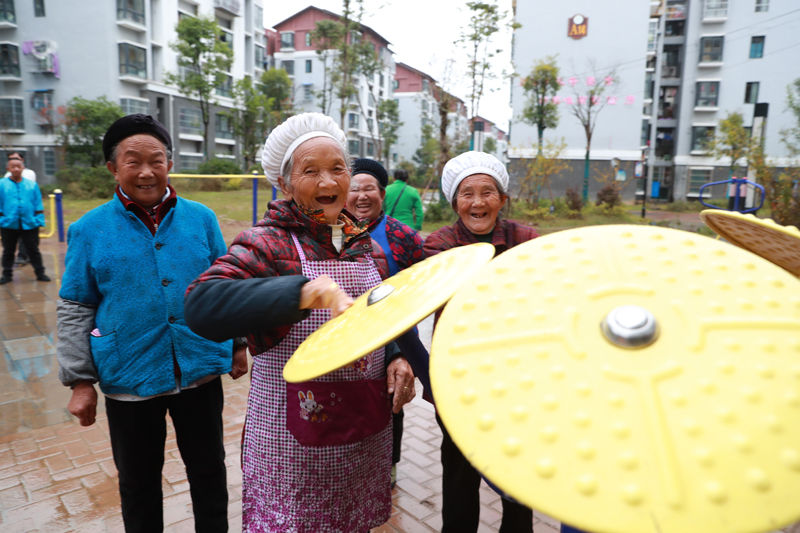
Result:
pixel 464 236
pixel 143 214
pixel 374 223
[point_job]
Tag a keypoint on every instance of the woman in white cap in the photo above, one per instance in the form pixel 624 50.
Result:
pixel 475 184
pixel 316 456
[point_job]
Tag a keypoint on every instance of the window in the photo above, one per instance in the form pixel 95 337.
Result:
pixel 258 18
pixel 757 47
pixel 751 92
pixel 381 80
pixel 425 85
pixel 132 61
pixel 7 11
pixel 648 85
pixel 762 6
pixel 651 35
pixel 645 137
pixel 224 128
pixel 394 157
pixel 370 125
pixel 226 87
pixel 370 150
pixel 11 114
pixel 352 147
pixel 425 106
pixel 190 120
pixel 707 94
pixel 38 8
pixel 395 84
pixel 697 178
pixel 287 39
pixel 308 38
pixel 42 103
pixel 355 37
pixel 260 57
pixel 700 136
pixel 186 8
pixel 308 94
pixel 190 162
pixel 134 105
pixel 49 162
pixel 352 120
pixel 9 60
pixel 308 65
pixel 715 8
pixel 132 10
pixel 711 49
pixel 288 66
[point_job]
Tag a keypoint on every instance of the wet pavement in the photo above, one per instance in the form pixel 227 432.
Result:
pixel 56 476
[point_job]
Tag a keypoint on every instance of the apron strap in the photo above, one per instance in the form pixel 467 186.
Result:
pixel 298 247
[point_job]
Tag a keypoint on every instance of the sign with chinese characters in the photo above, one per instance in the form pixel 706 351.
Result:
pixel 578 27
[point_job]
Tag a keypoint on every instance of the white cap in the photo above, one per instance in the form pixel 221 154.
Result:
pixel 284 140
pixel 469 164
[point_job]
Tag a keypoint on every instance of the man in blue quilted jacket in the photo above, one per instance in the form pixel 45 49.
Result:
pixel 121 324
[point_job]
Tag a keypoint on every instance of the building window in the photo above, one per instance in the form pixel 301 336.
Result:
pixel 287 39
pixel 425 85
pixel 260 57
pixel 38 8
pixel 370 150
pixel 190 162
pixel 648 85
pixel 7 13
pixel 134 105
pixel 355 37
pixel 762 6
pixel 751 92
pixel 11 114
pixel 226 87
pixel 370 124
pixel 308 94
pixel 352 120
pixel 352 147
pixel 42 103
pixel 288 66
pixel 49 162
pixel 308 38
pixel 394 157
pixel 651 35
pixel 190 120
pixel 132 10
pixel 258 18
pixel 697 178
pixel 757 47
pixel 715 8
pixel 707 94
pixel 185 9
pixel 711 49
pixel 224 128
pixel 382 80
pixel 395 84
pixel 308 65
pixel 132 61
pixel 700 137
pixel 9 60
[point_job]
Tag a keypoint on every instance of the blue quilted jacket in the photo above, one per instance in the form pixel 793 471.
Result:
pixel 137 282
pixel 20 204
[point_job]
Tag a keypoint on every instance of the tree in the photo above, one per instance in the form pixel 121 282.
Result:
pixel 347 59
pixel 204 60
pixel 426 155
pixel 781 195
pixel 247 118
pixel 790 137
pixel 388 115
pixel 732 141
pixel 276 86
pixel 327 38
pixel 490 145
pixel 586 106
pixel 547 163
pixel 84 125
pixel 542 84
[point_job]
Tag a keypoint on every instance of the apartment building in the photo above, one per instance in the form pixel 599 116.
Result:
pixel 416 94
pixel 48 56
pixel 309 70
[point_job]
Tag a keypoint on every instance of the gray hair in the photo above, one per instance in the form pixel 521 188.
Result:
pixel 114 149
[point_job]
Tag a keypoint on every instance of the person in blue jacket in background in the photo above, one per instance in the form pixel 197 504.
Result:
pixel 121 324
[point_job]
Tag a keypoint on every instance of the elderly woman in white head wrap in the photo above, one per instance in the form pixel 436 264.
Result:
pixel 475 184
pixel 316 455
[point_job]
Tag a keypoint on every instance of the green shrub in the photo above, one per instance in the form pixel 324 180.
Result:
pixel 574 200
pixel 439 212
pixel 86 182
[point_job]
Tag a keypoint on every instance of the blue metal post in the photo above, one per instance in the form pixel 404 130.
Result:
pixel 255 197
pixel 274 193
pixel 59 215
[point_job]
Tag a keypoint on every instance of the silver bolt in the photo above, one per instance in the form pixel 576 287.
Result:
pixel 379 293
pixel 630 326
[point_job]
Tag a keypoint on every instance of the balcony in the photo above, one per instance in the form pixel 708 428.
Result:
pixel 715 11
pixel 8 18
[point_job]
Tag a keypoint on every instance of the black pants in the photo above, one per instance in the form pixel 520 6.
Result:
pixel 461 505
pixel 138 433
pixel 30 237
pixel 397 435
pixel 22 253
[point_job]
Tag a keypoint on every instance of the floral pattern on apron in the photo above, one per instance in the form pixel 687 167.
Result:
pixel 315 486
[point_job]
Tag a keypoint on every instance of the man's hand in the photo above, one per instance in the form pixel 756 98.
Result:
pixel 400 379
pixel 239 367
pixel 83 403
pixel 324 293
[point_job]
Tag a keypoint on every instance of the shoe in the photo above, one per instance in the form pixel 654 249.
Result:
pixel 21 261
pixel 42 277
pixel 394 476
pixel 5 280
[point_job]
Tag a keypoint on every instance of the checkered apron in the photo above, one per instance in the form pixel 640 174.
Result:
pixel 291 488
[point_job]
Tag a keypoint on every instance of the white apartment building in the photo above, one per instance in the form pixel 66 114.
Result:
pixel 416 95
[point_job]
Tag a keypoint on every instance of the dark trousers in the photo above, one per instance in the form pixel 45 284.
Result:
pixel 138 433
pixel 397 435
pixel 461 505
pixel 22 253
pixel 30 237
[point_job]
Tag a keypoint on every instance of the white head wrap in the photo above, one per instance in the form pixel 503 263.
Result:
pixel 284 140
pixel 469 164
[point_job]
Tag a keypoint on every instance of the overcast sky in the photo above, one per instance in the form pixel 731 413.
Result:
pixel 422 33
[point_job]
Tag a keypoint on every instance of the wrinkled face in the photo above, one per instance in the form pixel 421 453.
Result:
pixel 478 201
pixel 320 178
pixel 142 169
pixel 365 199
pixel 15 166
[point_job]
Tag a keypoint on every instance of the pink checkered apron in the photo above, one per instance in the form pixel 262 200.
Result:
pixel 337 480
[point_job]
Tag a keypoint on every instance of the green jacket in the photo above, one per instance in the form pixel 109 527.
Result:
pixel 409 209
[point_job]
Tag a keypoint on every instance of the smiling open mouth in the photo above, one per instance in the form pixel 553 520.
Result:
pixel 478 215
pixel 364 206
pixel 145 187
pixel 326 200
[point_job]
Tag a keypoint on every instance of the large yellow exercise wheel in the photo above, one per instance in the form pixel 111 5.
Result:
pixel 629 379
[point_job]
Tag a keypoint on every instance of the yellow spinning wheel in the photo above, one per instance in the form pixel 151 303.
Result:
pixel 386 312
pixel 629 379
pixel 773 242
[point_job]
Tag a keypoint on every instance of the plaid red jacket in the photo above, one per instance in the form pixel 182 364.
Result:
pixel 406 244
pixel 507 234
